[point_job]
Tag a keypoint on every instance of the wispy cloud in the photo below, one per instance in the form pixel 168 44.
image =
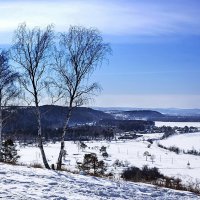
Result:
pixel 111 17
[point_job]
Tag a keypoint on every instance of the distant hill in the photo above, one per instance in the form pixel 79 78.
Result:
pixel 137 114
pixel 164 111
pixel 152 115
pixel 143 114
pixel 52 117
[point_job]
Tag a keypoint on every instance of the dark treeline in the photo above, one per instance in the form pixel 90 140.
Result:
pixel 77 133
pixel 128 125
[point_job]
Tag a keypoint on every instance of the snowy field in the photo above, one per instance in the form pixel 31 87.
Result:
pixel 23 183
pixel 178 124
pixel 183 141
pixel 129 152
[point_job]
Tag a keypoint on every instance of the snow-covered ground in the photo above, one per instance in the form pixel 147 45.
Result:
pixel 22 183
pixel 178 124
pixel 130 152
pixel 186 141
pixel 147 136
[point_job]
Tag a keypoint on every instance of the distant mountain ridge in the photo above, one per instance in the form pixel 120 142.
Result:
pixel 152 115
pixel 164 111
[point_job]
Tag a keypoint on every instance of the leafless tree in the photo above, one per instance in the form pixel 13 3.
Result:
pixel 31 51
pixel 8 88
pixel 80 51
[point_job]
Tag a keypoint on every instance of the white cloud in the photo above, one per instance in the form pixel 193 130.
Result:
pixel 148 101
pixel 111 17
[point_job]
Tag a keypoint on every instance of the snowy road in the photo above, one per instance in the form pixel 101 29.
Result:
pixel 22 183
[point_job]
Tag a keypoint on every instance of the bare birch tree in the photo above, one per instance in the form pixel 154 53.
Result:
pixel 8 88
pixel 80 51
pixel 31 51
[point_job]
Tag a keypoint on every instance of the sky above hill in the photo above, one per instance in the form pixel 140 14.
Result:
pixel 156 45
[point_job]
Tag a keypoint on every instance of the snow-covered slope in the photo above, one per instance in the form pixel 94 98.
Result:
pixel 22 183
pixel 186 141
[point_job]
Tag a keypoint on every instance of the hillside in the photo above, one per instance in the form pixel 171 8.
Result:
pixel 52 117
pixel 19 182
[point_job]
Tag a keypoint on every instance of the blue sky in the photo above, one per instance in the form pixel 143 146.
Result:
pixel 156 45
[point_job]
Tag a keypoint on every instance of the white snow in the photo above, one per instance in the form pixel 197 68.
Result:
pixel 130 152
pixel 149 136
pixel 178 124
pixel 18 182
pixel 22 183
pixel 186 141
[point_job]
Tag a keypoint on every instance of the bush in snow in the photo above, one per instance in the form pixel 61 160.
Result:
pixel 102 149
pixel 192 152
pixel 9 152
pixel 105 154
pixel 120 163
pixel 144 175
pixel 174 149
pixel 83 146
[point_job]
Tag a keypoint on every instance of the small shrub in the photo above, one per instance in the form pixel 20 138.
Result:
pixel 144 175
pixel 151 174
pixel 105 154
pixel 174 149
pixel 83 145
pixel 102 149
pixel 118 163
pixel 132 174
pixel 150 141
pixel 149 145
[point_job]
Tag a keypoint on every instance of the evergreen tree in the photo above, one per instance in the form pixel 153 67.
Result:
pixel 9 152
pixel 90 162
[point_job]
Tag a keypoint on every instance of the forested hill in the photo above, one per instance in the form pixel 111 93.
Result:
pixel 152 116
pixel 143 113
pixel 138 114
pixel 52 117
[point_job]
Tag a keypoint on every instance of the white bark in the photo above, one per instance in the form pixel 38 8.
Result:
pixel 1 127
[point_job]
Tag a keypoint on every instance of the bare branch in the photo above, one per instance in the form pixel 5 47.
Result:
pixel 31 51
pixel 81 50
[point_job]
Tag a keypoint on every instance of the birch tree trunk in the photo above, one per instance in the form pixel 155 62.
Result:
pixel 40 142
pixel 1 127
pixel 62 147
